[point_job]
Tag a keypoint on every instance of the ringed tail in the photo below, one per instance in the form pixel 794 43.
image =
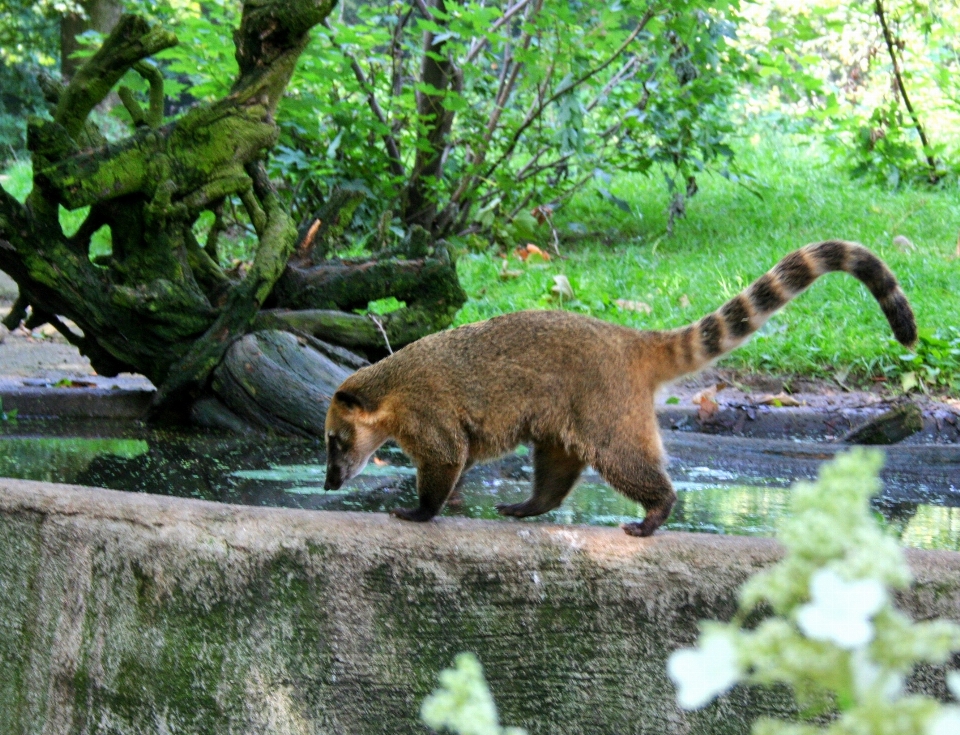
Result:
pixel 721 331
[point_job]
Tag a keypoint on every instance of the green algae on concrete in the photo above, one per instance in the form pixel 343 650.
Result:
pixel 129 613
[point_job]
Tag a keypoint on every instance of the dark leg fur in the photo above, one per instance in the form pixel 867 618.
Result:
pixel 434 484
pixel 643 481
pixel 555 472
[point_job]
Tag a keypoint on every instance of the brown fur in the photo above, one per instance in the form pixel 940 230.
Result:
pixel 581 390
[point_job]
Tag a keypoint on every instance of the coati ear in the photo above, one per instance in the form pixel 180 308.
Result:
pixel 353 400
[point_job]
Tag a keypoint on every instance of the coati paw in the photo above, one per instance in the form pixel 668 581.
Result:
pixel 418 515
pixel 517 510
pixel 638 529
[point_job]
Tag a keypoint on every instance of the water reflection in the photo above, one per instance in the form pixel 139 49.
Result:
pixel 933 527
pixel 61 460
pixel 724 498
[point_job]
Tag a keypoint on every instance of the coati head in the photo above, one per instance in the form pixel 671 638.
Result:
pixel 353 434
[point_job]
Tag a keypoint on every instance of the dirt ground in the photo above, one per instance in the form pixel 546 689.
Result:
pixel 43 357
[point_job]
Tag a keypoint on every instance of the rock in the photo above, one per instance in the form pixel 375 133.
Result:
pixel 889 427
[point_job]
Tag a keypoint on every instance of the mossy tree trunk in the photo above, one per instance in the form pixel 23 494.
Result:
pixel 161 304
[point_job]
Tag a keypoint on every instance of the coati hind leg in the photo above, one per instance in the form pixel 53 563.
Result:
pixel 642 479
pixel 435 482
pixel 555 472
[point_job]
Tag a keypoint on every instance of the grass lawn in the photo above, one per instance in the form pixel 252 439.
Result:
pixel 730 237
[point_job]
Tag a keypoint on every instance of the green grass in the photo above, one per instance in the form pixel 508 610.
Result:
pixel 730 237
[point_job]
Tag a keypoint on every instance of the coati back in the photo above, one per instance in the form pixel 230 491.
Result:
pixel 579 389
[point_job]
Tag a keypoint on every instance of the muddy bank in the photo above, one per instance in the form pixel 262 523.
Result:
pixel 130 613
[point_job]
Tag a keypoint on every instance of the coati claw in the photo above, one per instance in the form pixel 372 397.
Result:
pixel 417 515
pixel 637 529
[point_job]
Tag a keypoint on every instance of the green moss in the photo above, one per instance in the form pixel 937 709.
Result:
pixel 19 564
pixel 192 665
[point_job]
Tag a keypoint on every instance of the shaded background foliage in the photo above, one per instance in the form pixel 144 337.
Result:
pixel 830 70
pixel 462 117
pixel 354 115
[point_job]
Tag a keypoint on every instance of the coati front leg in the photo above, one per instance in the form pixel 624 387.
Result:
pixel 640 478
pixel 435 482
pixel 555 472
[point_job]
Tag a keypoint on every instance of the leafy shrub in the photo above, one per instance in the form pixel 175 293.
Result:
pixel 532 101
pixel 935 361
pixel 20 97
pixel 835 637
pixel 877 79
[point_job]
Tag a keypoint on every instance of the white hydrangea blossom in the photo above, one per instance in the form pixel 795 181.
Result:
pixel 463 703
pixel 836 636
pixel 946 722
pixel 841 611
pixel 870 679
pixel 953 683
pixel 704 672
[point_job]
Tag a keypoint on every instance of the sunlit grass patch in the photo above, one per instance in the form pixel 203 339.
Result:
pixel 731 236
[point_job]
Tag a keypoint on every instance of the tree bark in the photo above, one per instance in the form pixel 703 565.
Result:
pixel 438 74
pixel 160 304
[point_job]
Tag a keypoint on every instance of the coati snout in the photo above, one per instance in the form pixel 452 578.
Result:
pixel 351 440
pixel 579 389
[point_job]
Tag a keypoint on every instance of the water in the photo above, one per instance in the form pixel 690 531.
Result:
pixel 725 485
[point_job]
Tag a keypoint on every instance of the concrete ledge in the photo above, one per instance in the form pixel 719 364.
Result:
pixel 129 613
pixel 100 403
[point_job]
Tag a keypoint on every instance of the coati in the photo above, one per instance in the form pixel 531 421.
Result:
pixel 579 389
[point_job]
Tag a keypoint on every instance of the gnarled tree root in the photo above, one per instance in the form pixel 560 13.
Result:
pixel 276 381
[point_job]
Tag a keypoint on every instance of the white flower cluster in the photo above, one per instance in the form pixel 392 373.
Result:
pixel 463 703
pixel 836 638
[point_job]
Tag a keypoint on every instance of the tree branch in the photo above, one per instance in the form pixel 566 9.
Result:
pixel 131 40
pixel 479 44
pixel 504 90
pixel 536 112
pixel 898 75
pixel 243 301
pixel 393 150
pixel 395 52
pixel 437 71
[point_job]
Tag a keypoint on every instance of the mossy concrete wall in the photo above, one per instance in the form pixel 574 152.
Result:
pixel 126 613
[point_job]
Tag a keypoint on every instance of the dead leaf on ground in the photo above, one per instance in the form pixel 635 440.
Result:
pixel 909 381
pixel 904 244
pixel 526 251
pixel 562 287
pixel 641 306
pixel 684 301
pixel 780 400
pixel 541 213
pixel 706 400
pixel 953 404
pixel 709 393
